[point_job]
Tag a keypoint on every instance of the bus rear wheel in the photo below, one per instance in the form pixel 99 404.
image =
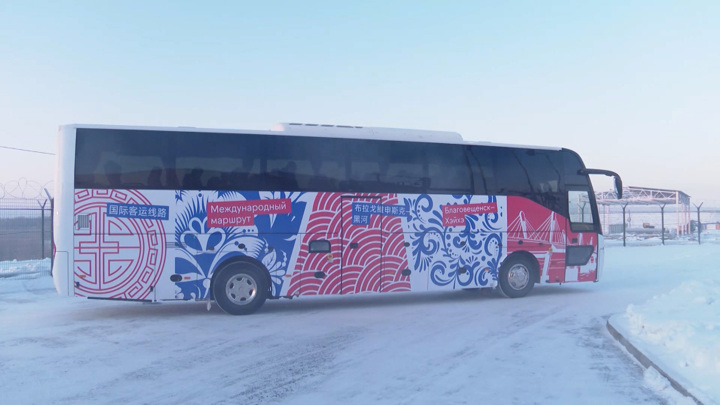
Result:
pixel 240 289
pixel 517 277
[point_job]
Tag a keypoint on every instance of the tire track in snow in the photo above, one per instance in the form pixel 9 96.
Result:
pixel 265 369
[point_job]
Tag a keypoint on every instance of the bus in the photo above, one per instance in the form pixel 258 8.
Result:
pixel 241 216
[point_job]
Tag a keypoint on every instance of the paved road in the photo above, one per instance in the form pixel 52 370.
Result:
pixel 447 347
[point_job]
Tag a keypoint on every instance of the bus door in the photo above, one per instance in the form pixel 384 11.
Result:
pixel 582 233
pixel 361 244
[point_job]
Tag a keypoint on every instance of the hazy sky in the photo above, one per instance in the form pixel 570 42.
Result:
pixel 633 86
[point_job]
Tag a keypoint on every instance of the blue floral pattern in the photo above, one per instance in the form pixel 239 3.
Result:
pixel 457 256
pixel 200 249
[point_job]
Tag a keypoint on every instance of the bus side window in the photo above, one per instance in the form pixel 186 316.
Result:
pixel 286 176
pixel 483 170
pixel 448 170
pixel 402 169
pixel 366 167
pixel 503 172
pixel 544 171
pixel 364 176
pixel 325 175
pixel 326 161
pixel 246 176
pixel 154 179
pixel 193 179
pixel 117 159
pixel 113 174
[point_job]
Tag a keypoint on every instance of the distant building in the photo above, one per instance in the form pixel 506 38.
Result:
pixel 706 226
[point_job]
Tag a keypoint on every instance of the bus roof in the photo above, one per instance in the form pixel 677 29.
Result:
pixel 327 131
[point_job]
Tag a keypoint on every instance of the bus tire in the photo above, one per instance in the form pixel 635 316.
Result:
pixel 517 276
pixel 240 289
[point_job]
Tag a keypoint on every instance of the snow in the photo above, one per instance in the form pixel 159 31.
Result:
pixel 657 382
pixel 681 331
pixel 25 268
pixel 406 348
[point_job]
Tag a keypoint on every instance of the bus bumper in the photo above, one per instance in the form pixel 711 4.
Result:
pixel 601 257
pixel 61 274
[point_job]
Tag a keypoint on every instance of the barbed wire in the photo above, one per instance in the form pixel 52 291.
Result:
pixel 26 150
pixel 25 189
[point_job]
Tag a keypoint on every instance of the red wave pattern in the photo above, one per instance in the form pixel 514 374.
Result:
pixel 394 256
pixel 324 223
pixel 374 265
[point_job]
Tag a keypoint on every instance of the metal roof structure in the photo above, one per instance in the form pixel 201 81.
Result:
pixel 643 196
pixel 649 196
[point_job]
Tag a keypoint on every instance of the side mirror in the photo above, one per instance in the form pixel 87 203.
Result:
pixel 618 187
pixel 618 180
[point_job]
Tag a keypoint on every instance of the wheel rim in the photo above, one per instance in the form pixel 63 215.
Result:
pixel 241 289
pixel 518 277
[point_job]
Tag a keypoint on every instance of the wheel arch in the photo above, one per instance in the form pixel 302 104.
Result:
pixel 242 260
pixel 530 258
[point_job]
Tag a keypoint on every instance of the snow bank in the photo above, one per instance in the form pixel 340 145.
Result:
pixel 655 381
pixel 681 330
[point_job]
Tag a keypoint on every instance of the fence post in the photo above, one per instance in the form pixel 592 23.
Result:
pixel 623 207
pixel 699 225
pixel 662 222
pixel 52 235
pixel 42 229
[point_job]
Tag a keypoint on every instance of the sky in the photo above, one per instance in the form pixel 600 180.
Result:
pixel 633 87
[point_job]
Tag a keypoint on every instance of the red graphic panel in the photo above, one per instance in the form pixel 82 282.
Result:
pixel 324 223
pixel 116 257
pixel 587 272
pixel 454 214
pixel 362 250
pixel 394 256
pixel 360 269
pixel 242 213
pixel 539 231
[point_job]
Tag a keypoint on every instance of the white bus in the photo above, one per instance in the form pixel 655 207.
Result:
pixel 240 216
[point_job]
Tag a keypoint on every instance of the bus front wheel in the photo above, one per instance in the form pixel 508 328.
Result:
pixel 517 277
pixel 240 290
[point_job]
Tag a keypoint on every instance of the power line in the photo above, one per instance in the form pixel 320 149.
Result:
pixel 26 150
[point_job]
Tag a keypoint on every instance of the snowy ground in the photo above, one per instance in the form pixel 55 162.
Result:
pixel 641 240
pixel 447 347
pixel 680 332
pixel 24 268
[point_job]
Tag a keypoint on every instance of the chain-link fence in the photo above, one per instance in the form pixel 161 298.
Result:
pixel 25 237
pixel 651 225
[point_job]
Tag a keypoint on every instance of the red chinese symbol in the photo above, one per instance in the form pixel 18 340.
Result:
pixel 116 257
